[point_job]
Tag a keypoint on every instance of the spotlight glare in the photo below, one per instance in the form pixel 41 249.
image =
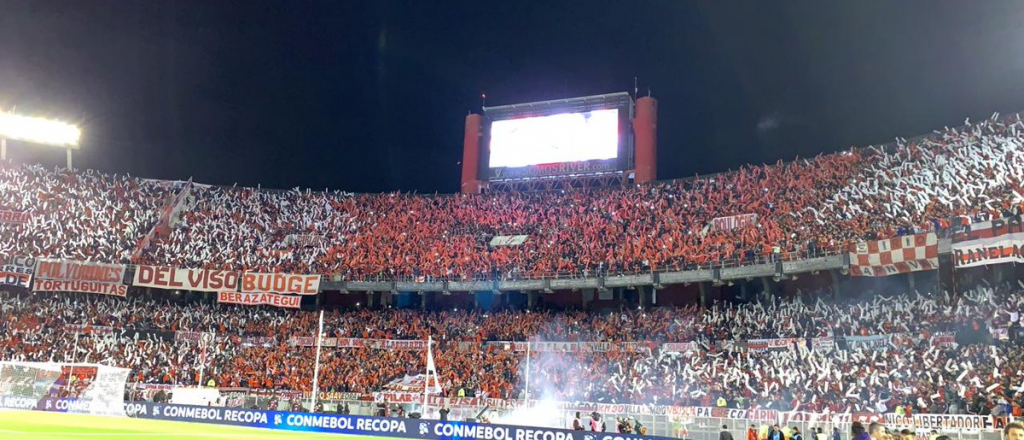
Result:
pixel 39 130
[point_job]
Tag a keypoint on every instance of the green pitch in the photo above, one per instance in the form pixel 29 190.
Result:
pixel 18 425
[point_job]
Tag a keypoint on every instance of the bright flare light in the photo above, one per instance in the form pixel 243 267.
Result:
pixel 39 131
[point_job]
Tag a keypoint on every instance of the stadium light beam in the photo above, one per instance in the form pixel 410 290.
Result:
pixel 39 131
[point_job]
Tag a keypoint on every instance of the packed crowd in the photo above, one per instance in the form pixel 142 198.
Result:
pixel 84 216
pixel 803 208
pixel 909 369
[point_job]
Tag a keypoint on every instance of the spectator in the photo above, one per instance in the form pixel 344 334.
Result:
pixel 725 434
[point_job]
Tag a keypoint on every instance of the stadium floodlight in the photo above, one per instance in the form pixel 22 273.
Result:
pixel 39 131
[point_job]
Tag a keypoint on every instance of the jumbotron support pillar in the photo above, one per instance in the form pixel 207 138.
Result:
pixel 645 132
pixel 471 155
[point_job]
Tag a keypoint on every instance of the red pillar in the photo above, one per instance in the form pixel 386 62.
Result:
pixel 471 155
pixel 645 140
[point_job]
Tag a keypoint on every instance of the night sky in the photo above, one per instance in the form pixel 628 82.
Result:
pixel 372 95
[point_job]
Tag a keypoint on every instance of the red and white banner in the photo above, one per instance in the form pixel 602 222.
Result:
pixel 89 329
pixel 571 347
pixel 383 344
pixel 733 222
pixel 680 347
pixel 305 240
pixel 280 283
pixel 910 253
pixel 79 276
pixel 15 217
pixel 438 401
pixel 991 242
pixel 757 345
pixel 200 280
pixel 414 383
pixel 260 299
pixel 946 421
pixel 823 343
pixel 18 272
pixel 943 339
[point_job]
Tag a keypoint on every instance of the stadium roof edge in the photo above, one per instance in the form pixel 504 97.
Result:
pixel 616 97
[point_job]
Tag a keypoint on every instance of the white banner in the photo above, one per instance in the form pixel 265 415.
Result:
pixel 946 421
pixel 79 276
pixel 757 345
pixel 509 240
pixel 260 299
pixel 14 275
pixel 680 347
pixel 873 341
pixel 1006 248
pixel 199 280
pixel 733 222
pixel 280 283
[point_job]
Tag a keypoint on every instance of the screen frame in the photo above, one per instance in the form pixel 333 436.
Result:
pixel 624 149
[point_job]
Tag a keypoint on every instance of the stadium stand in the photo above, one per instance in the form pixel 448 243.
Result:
pixel 808 207
pixel 912 367
pixel 86 216
pixel 804 208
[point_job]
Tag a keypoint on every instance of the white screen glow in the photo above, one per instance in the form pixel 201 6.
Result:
pixel 566 137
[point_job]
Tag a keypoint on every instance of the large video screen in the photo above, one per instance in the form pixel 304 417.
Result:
pixel 565 137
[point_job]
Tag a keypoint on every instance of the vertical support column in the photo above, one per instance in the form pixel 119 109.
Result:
pixel 767 293
pixel 423 300
pixel 471 155
pixel 531 299
pixel 645 136
pixel 70 166
pixel 910 281
pixel 835 283
pixel 703 293
pixel 641 297
pixel 743 290
pixel 3 148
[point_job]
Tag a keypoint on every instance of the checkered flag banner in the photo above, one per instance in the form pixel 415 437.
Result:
pixel 909 253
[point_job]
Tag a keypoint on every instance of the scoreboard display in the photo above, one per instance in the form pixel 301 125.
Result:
pixel 564 137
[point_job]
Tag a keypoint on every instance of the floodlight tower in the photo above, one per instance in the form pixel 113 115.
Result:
pixel 39 131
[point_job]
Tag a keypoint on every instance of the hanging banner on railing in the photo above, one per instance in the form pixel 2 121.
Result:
pixel 199 280
pixel 758 345
pixel 508 240
pixel 991 242
pixel 18 272
pixel 280 283
pixel 680 347
pixel 943 339
pixel 893 256
pixel 90 329
pixel 79 276
pixel 946 421
pixel 873 341
pixel 416 383
pixel 15 217
pixel 823 343
pixel 570 347
pixel 305 240
pixel 382 344
pixel 260 299
pixel 733 222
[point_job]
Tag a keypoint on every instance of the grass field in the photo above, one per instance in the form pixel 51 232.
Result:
pixel 59 426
